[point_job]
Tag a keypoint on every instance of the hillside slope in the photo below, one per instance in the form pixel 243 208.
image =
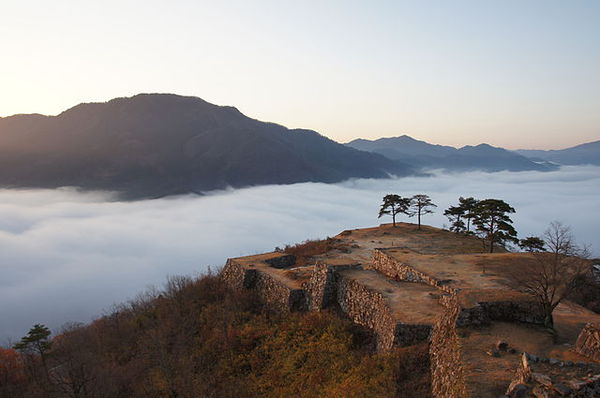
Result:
pixel 429 156
pixel 199 338
pixel 153 145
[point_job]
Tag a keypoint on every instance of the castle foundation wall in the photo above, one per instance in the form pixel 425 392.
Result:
pixel 588 342
pixel 276 294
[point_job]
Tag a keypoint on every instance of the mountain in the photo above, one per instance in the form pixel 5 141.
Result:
pixel 581 154
pixel 428 156
pixel 153 145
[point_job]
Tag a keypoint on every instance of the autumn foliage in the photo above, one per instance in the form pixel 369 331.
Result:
pixel 198 338
pixel 12 375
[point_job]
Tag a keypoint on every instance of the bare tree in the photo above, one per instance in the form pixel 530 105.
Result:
pixel 552 275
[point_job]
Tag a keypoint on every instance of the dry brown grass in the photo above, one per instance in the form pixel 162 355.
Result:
pixel 306 251
pixel 299 274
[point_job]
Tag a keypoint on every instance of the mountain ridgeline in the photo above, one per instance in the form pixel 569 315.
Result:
pixel 581 154
pixel 424 155
pixel 153 145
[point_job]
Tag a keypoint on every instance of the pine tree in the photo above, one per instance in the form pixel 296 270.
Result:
pixel 532 244
pixel 455 215
pixel 420 205
pixel 467 205
pixel 493 223
pixel 393 205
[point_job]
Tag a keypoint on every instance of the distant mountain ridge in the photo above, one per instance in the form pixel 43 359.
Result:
pixel 153 145
pixel 429 156
pixel 588 153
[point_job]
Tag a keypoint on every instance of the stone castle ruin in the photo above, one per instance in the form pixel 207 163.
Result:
pixel 407 286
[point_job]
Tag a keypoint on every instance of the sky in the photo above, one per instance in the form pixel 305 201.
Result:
pixel 513 73
pixel 69 256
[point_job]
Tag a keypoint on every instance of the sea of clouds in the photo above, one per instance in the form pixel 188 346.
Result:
pixel 69 256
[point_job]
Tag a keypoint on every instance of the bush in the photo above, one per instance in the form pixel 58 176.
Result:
pixel 306 251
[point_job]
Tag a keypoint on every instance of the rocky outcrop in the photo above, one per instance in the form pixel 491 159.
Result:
pixel 588 342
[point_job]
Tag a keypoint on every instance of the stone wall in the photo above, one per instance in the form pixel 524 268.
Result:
pixel 528 311
pixel 237 276
pixel 362 305
pixel 393 269
pixel 588 342
pixel 279 296
pixel 474 316
pixel 544 377
pixel 322 287
pixel 507 311
pixel 368 308
pixel 406 334
pixel 271 291
pixel 447 372
pixel 398 271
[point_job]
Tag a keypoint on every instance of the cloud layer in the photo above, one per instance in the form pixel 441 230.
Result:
pixel 68 256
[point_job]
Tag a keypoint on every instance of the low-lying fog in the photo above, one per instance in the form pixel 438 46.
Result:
pixel 67 256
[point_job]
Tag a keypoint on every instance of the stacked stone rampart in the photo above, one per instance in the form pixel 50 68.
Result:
pixel 480 314
pixel 398 271
pixel 447 371
pixel 368 308
pixel 322 287
pixel 528 311
pixel 275 293
pixel 588 342
pixel 280 296
pixel 408 334
pixel 364 304
pixel 237 276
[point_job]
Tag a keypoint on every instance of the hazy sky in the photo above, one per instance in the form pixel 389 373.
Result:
pixel 519 73
pixel 67 256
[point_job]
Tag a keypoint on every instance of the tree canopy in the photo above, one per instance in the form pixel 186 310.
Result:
pixel 420 205
pixel 455 215
pixel 461 212
pixel 493 223
pixel 36 341
pixel 394 204
pixel 532 244
pixel 468 205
